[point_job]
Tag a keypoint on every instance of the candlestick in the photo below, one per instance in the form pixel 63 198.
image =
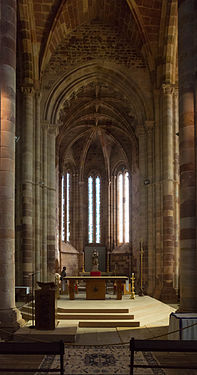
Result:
pixel 132 286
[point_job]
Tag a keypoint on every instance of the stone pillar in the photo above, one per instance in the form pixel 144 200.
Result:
pixel 27 184
pixel 10 318
pixel 38 187
pixel 158 197
pixel 168 292
pixel 109 216
pixel 143 193
pixel 187 32
pixel 150 227
pixel 176 192
pixel 51 201
pixel 18 189
pixel 44 202
pixel 112 213
pixel 81 225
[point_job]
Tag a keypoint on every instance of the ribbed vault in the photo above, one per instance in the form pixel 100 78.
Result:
pixel 96 117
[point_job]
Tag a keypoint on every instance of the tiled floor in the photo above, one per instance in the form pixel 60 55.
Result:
pixel 152 314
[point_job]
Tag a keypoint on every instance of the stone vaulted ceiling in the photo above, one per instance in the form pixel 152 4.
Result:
pixel 67 35
pixel 96 114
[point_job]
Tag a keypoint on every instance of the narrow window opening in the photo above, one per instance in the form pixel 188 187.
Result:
pixel 67 207
pixel 98 203
pixel 63 210
pixel 90 209
pixel 94 209
pixel 123 207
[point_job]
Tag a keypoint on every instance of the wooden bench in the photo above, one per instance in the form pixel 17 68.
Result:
pixel 161 346
pixel 33 348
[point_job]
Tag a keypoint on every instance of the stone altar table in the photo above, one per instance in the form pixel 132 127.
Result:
pixel 95 285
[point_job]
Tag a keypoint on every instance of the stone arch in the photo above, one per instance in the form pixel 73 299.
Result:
pixel 169 42
pixel 69 17
pixel 84 74
pixel 28 41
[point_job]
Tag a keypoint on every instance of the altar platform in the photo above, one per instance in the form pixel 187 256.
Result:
pixel 152 315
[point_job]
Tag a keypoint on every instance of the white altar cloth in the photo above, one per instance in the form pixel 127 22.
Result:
pixel 179 323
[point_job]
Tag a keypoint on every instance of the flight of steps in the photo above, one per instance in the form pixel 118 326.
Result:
pixel 105 317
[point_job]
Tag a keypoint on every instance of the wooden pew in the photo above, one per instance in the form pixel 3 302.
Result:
pixel 161 346
pixel 33 348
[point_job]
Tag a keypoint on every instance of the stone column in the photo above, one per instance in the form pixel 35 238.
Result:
pixel 143 177
pixel 27 184
pixel 158 196
pixel 10 318
pixel 168 292
pixel 81 226
pixel 112 213
pixel 176 191
pixel 18 189
pixel 44 201
pixel 150 235
pixel 187 32
pixel 51 201
pixel 38 187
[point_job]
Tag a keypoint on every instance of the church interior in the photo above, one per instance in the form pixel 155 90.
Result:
pixel 98 145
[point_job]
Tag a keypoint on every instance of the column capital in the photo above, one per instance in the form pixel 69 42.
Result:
pixel 53 129
pixel 167 88
pixel 45 125
pixel 140 131
pixel 27 89
pixel 149 125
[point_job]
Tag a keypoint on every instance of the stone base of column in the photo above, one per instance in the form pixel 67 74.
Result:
pixel 168 295
pixel 10 321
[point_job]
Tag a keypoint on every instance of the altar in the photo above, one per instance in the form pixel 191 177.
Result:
pixel 96 286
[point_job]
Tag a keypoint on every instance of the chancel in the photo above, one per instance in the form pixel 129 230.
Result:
pixel 93 94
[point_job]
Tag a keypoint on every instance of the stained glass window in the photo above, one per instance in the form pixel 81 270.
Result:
pixel 67 206
pixel 63 210
pixel 94 209
pixel 123 207
pixel 126 208
pixel 98 203
pixel 90 209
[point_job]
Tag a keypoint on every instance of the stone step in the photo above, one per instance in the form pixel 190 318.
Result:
pixel 91 316
pixel 93 311
pixel 28 309
pixel 108 324
pixel 94 317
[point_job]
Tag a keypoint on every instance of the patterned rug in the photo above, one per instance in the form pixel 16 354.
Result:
pixel 101 360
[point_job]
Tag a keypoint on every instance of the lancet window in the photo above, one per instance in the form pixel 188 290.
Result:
pixel 123 207
pixel 94 209
pixel 65 220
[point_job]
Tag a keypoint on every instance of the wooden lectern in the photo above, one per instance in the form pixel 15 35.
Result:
pixel 45 306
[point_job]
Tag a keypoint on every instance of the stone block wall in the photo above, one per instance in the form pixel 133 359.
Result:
pixel 120 264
